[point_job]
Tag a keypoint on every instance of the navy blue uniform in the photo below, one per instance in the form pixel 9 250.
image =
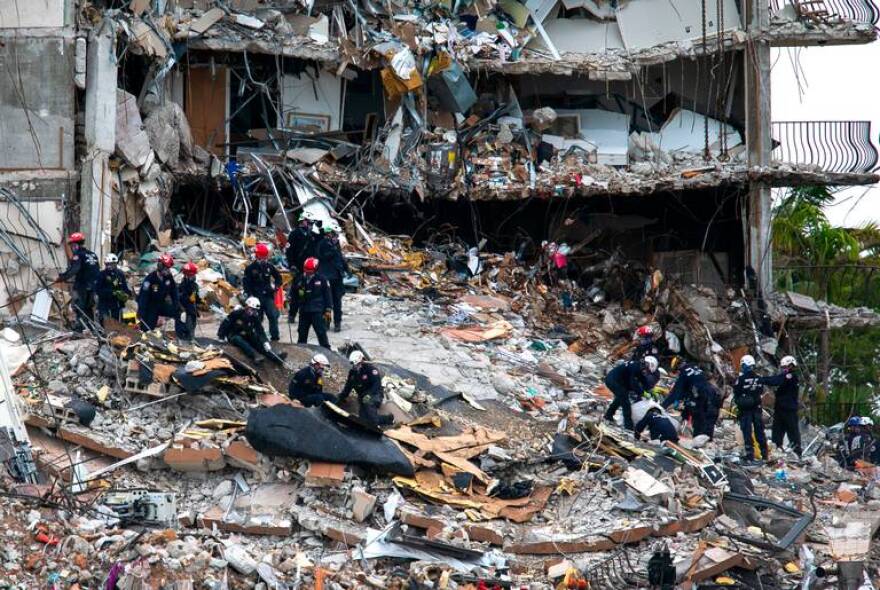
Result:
pixel 701 400
pixel 157 298
pixel 244 328
pixel 785 410
pixel 310 296
pixel 112 291
pixel 624 380
pixel 333 267
pixel 747 393
pixel 659 426
pixel 307 386
pixel 645 347
pixel 299 246
pixel 261 280
pixel 366 380
pixel 83 269
pixel 189 303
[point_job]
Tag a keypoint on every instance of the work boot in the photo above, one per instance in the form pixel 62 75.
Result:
pixel 275 338
pixel 283 355
pixel 337 328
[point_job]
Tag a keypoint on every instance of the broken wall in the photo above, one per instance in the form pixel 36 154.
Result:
pixel 37 103
pixel 35 14
pixel 309 100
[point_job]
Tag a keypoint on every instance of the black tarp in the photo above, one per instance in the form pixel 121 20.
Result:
pixel 288 431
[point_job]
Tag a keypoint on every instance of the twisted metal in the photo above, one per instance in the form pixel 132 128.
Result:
pixel 856 11
pixel 833 146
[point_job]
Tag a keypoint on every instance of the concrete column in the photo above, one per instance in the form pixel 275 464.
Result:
pixel 100 136
pixel 758 140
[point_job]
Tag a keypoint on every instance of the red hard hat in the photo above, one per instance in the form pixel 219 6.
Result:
pixel 166 260
pixel 310 265
pixel 645 331
pixel 190 269
pixel 261 251
pixel 76 238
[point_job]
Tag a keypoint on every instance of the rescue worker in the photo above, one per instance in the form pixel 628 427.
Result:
pixel 333 267
pixel 261 280
pixel 857 443
pixel 112 290
pixel 189 299
pixel 785 408
pixel 366 380
pixel 645 344
pixel 83 270
pixel 651 415
pixel 299 243
pixel 701 401
pixel 630 378
pixel 310 296
pixel 307 384
pixel 159 297
pixel 243 327
pixel 747 392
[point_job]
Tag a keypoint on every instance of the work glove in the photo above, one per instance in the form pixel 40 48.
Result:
pixel 183 316
pixel 267 347
pixel 121 296
pixel 328 316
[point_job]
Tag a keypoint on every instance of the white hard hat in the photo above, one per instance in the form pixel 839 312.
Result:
pixel 788 361
pixel 866 421
pixel 111 258
pixel 316 229
pixel 320 359
pixel 307 214
pixel 355 357
pixel 652 363
pixel 747 361
pixel 252 302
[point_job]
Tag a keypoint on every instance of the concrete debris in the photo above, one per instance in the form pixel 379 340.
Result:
pixel 361 154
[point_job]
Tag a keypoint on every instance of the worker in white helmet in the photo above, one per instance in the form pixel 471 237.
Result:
pixel 307 385
pixel 785 408
pixel 747 392
pixel 243 327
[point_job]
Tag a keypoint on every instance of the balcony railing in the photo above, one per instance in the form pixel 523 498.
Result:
pixel 833 146
pixel 856 11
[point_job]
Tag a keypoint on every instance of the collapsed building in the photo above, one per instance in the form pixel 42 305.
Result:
pixel 639 132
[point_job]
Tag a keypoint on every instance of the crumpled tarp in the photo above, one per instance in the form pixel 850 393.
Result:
pixel 288 431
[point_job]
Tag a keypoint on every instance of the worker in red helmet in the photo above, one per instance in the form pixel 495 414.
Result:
pixel 261 280
pixel 310 296
pixel 645 344
pixel 159 297
pixel 189 299
pixel 82 269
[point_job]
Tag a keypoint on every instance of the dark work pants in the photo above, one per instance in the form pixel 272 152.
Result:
pixel 704 421
pixel 662 428
pixel 785 423
pixel 267 307
pixel 370 413
pixel 621 400
pixel 83 301
pixel 250 347
pixel 150 318
pixel 312 319
pixel 190 323
pixel 751 421
pixel 110 310
pixel 337 290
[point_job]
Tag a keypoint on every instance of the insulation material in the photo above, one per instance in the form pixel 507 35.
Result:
pixel 684 132
pixel 648 23
pixel 580 35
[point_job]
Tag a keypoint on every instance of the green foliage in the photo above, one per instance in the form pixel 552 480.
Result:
pixel 841 266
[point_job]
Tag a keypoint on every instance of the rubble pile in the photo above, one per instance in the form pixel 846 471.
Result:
pixel 162 462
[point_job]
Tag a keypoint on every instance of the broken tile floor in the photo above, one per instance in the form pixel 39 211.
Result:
pixel 479 393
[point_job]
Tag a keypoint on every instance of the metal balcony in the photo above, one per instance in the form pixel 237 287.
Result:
pixel 831 11
pixel 833 146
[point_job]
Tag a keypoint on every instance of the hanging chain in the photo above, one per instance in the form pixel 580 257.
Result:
pixel 723 88
pixel 706 117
